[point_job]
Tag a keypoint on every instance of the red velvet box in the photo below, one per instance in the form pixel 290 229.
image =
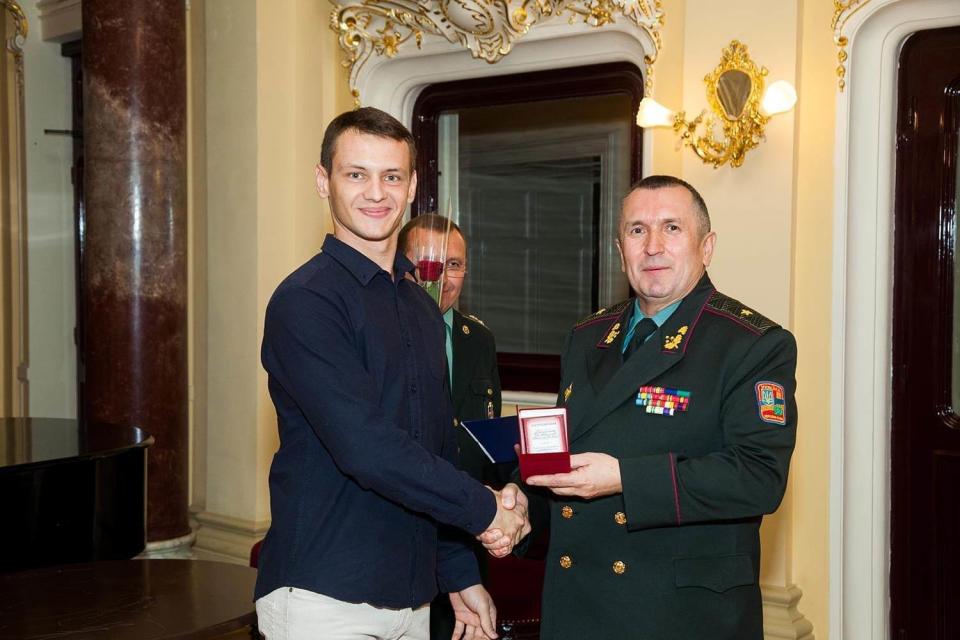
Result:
pixel 544 448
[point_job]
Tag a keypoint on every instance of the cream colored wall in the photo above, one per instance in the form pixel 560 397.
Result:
pixel 232 223
pixel 50 251
pixel 812 269
pixel 751 206
pixel 273 82
pixel 773 220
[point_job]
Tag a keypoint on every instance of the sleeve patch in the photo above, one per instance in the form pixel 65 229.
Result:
pixel 772 402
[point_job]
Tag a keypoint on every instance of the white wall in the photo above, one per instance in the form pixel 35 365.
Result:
pixel 50 253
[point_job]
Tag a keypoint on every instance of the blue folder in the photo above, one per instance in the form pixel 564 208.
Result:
pixel 496 437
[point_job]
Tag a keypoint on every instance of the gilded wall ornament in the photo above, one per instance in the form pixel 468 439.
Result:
pixel 487 28
pixel 15 41
pixel 842 11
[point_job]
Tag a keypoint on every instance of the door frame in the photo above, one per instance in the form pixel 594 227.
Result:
pixel 861 338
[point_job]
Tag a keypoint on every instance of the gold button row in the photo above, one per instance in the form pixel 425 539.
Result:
pixel 566 511
pixel 619 567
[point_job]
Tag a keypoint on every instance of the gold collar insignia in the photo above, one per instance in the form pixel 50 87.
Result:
pixel 612 335
pixel 672 342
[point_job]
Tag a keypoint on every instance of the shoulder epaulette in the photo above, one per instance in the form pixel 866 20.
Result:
pixel 739 312
pixel 603 314
pixel 475 319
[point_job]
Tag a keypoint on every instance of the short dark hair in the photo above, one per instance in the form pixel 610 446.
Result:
pixel 365 120
pixel 664 182
pixel 428 222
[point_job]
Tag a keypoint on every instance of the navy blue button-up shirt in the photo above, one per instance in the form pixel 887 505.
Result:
pixel 365 470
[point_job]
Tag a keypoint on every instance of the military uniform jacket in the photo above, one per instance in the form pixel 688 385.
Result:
pixel 675 556
pixel 476 386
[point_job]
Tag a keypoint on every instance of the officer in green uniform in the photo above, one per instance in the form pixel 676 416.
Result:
pixel 474 379
pixel 682 422
pixel 475 390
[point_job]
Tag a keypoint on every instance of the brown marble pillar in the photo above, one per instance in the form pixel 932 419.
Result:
pixel 134 259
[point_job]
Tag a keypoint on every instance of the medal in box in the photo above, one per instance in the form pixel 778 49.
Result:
pixel 544 448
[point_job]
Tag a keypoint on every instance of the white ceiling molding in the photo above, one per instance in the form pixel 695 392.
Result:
pixel 382 64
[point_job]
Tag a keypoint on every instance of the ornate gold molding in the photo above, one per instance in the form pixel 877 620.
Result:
pixel 740 133
pixel 842 11
pixel 487 28
pixel 15 42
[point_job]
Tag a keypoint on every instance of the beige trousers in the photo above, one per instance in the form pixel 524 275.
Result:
pixel 296 614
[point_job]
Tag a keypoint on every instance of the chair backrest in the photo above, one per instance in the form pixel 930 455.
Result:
pixel 255 554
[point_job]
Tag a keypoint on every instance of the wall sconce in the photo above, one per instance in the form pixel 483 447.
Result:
pixel 739 104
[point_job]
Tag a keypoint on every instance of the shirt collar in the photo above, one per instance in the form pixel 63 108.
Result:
pixel 362 267
pixel 658 318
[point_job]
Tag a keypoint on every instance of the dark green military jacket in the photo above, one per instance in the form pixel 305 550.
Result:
pixel 476 387
pixel 476 396
pixel 676 556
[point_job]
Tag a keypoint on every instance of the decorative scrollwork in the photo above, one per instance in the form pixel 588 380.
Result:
pixel 487 28
pixel 741 133
pixel 15 41
pixel 842 11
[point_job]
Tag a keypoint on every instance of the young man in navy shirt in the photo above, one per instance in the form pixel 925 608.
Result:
pixel 365 473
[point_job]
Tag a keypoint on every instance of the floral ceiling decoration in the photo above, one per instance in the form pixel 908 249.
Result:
pixel 486 28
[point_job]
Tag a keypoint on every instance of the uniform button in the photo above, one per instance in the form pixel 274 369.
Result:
pixel 566 562
pixel 620 517
pixel 619 567
pixel 566 511
pixel 489 391
pixel 455 423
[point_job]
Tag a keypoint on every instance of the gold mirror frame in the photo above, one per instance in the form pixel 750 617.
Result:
pixel 14 391
pixel 739 135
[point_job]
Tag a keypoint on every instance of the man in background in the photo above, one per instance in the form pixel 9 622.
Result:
pixel 472 368
pixel 470 345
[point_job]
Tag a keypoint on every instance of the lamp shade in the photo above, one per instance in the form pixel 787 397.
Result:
pixel 779 97
pixel 653 114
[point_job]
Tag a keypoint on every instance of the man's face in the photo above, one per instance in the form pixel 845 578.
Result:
pixel 454 268
pixel 370 185
pixel 661 250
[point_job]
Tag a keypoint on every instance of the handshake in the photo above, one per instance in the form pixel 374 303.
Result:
pixel 510 525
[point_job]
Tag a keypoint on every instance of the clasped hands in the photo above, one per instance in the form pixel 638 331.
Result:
pixel 511 523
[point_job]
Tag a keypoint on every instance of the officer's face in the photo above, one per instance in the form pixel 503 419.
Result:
pixel 455 267
pixel 661 249
pixel 369 186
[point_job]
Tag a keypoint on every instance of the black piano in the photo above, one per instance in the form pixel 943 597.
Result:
pixel 70 492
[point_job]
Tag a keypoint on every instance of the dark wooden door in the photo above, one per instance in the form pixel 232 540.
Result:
pixel 925 535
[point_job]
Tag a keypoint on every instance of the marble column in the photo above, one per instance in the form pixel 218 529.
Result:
pixel 134 261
